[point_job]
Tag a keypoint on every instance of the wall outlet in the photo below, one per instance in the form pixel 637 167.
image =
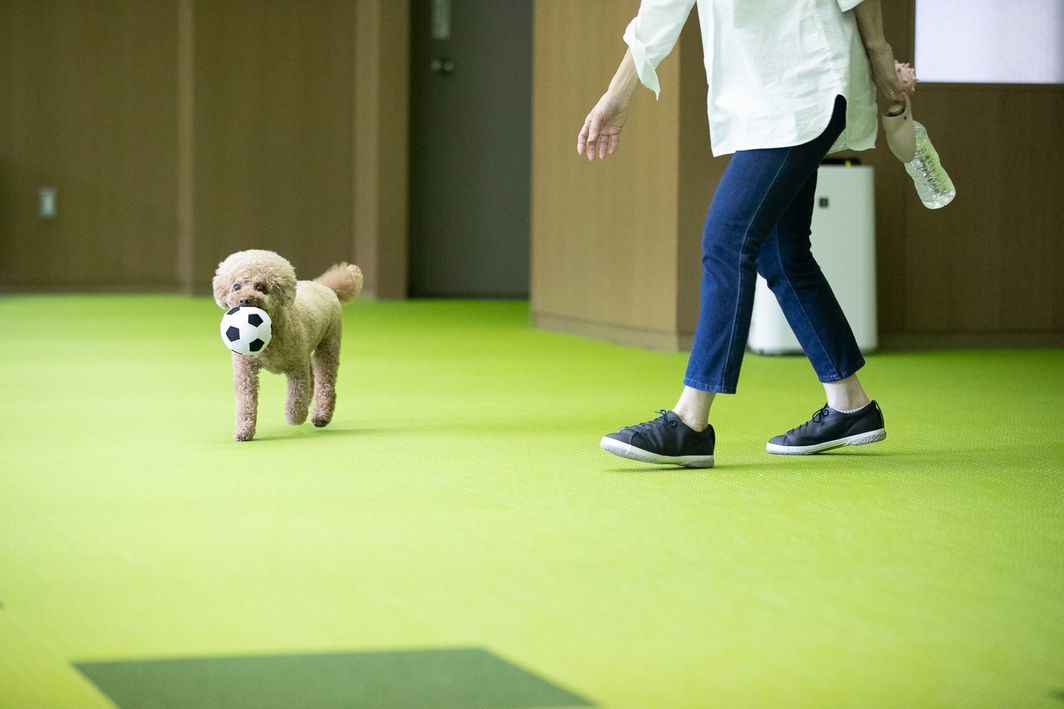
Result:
pixel 46 203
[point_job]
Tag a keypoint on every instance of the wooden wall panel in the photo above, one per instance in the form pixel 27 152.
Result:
pixel 381 107
pixel 178 131
pixel 87 106
pixel 891 187
pixel 603 233
pixel 272 138
pixel 988 269
pixel 184 197
pixel 296 140
pixel 990 262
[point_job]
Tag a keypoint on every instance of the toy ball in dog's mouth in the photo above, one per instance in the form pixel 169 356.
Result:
pixel 246 330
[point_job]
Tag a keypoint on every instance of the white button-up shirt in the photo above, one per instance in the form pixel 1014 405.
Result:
pixel 774 68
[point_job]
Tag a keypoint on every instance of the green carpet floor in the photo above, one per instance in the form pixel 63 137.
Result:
pixel 459 503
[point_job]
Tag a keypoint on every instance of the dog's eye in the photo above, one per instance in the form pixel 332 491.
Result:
pixel 260 288
pixel 236 286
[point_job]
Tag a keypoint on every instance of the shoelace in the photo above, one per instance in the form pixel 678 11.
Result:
pixel 817 417
pixel 651 424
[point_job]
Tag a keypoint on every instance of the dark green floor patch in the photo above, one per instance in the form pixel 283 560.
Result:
pixel 468 678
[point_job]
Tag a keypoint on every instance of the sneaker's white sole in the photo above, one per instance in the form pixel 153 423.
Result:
pixel 627 450
pixel 858 440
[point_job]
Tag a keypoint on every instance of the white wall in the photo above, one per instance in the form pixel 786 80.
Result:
pixel 990 41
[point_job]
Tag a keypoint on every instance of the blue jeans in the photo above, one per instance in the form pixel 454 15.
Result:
pixel 759 223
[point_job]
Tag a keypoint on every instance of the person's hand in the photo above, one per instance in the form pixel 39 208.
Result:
pixel 602 127
pixel 894 80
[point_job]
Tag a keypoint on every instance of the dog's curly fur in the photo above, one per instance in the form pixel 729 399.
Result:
pixel 306 332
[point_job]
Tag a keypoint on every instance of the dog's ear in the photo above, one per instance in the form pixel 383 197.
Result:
pixel 282 283
pixel 220 284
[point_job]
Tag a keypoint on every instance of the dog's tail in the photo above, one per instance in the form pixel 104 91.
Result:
pixel 344 279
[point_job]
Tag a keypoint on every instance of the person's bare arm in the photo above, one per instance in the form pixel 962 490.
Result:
pixel 880 54
pixel 601 132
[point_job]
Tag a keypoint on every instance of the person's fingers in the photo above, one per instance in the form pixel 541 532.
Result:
pixel 581 141
pixel 594 128
pixel 613 142
pixel 887 84
pixel 604 146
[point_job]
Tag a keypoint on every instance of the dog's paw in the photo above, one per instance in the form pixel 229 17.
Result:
pixel 243 435
pixel 320 421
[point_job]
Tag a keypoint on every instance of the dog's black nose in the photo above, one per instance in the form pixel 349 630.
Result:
pixel 243 302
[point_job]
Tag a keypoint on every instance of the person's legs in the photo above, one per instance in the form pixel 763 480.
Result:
pixel 846 395
pixel 814 314
pixel 803 293
pixel 786 261
pixel 693 407
pixel 758 188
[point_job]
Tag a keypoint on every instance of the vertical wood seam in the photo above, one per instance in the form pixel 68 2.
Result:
pixel 185 128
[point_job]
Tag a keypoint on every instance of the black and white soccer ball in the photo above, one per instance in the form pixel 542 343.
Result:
pixel 246 330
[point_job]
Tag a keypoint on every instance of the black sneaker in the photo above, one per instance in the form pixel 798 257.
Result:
pixel 831 429
pixel 665 440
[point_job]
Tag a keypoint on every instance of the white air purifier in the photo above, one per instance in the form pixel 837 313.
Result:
pixel 844 244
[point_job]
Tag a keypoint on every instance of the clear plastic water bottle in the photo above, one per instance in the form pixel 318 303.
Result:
pixel 933 185
pixel 909 142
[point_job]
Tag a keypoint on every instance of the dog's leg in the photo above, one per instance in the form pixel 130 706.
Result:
pixel 326 362
pixel 300 389
pixel 246 384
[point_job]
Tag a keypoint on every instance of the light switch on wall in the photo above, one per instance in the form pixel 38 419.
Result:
pixel 46 203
